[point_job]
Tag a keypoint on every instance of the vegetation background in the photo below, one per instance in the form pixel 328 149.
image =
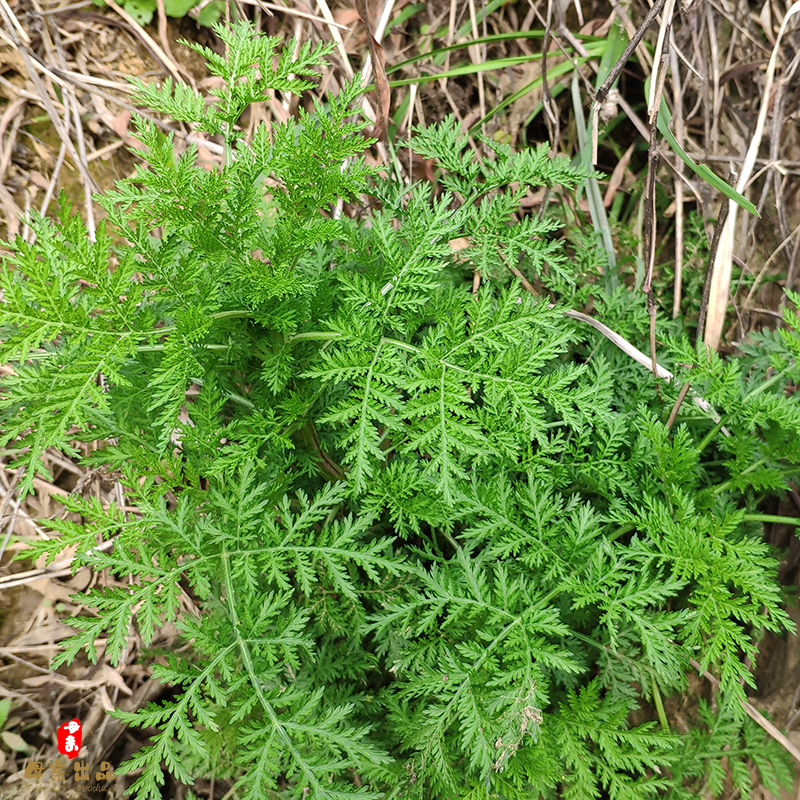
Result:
pixel 64 124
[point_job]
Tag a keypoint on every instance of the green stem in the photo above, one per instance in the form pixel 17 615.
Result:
pixel 402 345
pixel 727 484
pixel 315 336
pixel 258 685
pixel 707 439
pixel 662 717
pixel 772 518
pixel 723 486
pixel 152 348
pixel 237 398
pixel 237 313
pixel 621 531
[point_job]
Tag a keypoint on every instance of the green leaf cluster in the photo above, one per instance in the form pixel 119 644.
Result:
pixel 437 542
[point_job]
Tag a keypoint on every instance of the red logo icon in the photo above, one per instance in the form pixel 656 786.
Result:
pixel 69 738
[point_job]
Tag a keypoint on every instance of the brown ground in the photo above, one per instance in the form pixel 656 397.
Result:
pixel 715 89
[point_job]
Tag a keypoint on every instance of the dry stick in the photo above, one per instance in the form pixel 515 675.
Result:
pixel 571 40
pixel 87 184
pixel 162 34
pixel 645 59
pixel 711 142
pixel 618 341
pixel 59 569
pixel 372 115
pixel 779 249
pixel 778 118
pixel 5 156
pixel 549 104
pixel 792 273
pixel 11 18
pixel 337 36
pixel 656 89
pixel 677 109
pixel 451 29
pixel 13 212
pixel 605 88
pixel 756 716
pixel 377 62
pixel 51 187
pixel 661 57
pixel 650 237
pixel 270 7
pixel 380 29
pixel 68 79
pixel 475 57
pixel 678 403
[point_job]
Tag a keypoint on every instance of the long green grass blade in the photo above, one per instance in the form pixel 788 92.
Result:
pixel 493 39
pixel 700 169
pixel 554 72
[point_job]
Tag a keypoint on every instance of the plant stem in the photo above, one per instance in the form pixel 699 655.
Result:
pixel 777 518
pixel 662 717
pixel 315 336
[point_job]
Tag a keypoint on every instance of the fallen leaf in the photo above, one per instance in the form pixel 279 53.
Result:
pixel 15 741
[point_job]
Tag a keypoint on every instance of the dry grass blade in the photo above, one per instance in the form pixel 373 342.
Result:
pixel 10 17
pixel 640 358
pixel 337 36
pixel 723 262
pixel 677 102
pixel 551 115
pixel 701 317
pixel 623 344
pixel 378 62
pixel 475 56
pixel 296 12
pixel 44 98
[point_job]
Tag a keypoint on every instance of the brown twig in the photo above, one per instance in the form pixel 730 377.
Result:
pixel 378 62
pixel 677 110
pixel 678 403
pixel 656 88
pixel 551 116
pixel 605 87
pixel 611 78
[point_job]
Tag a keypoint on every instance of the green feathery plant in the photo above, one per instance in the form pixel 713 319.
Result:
pixel 442 542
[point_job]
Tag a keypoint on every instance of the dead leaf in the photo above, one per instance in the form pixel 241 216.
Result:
pixel 113 678
pixel 15 741
pixel 345 16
